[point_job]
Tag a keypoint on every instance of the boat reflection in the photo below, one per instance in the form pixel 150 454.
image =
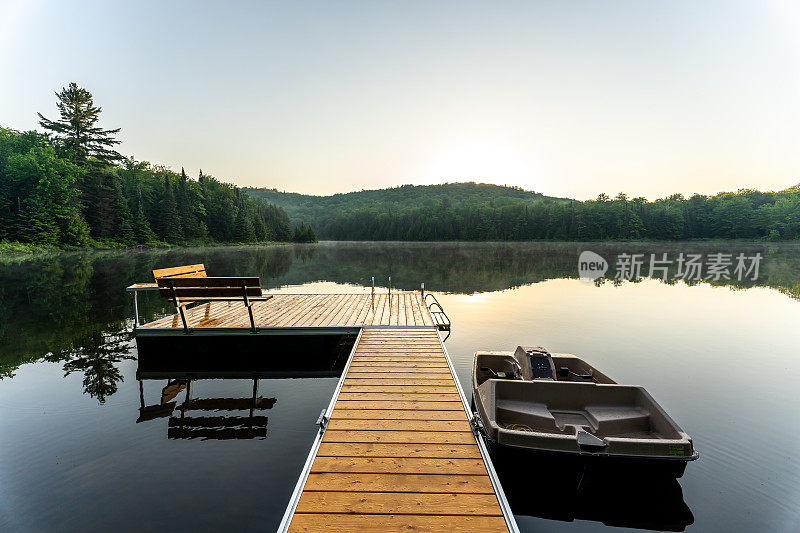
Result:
pixel 569 490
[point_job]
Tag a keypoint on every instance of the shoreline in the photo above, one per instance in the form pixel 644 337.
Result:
pixel 10 251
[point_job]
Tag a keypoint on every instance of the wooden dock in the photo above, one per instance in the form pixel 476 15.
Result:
pixel 304 311
pixel 398 452
pixel 395 449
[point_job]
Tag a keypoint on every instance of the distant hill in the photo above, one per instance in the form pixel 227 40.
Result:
pixel 481 212
pixel 325 213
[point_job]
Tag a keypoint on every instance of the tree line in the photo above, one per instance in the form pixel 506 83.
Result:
pixel 69 186
pixel 481 212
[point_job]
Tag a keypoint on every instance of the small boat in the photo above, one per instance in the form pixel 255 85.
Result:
pixel 530 400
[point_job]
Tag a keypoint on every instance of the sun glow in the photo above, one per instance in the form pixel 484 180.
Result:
pixel 480 161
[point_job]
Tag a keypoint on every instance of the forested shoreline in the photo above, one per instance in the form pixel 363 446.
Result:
pixel 484 212
pixel 69 187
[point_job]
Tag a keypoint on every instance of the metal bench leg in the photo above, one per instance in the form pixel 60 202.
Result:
pixel 179 305
pixel 183 317
pixel 249 305
pixel 252 320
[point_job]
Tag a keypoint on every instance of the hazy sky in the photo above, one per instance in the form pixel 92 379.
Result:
pixel 566 98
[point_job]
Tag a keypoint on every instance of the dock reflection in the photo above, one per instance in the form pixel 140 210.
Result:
pixel 221 418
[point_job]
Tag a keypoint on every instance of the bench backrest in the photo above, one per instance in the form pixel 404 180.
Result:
pixel 199 288
pixel 186 271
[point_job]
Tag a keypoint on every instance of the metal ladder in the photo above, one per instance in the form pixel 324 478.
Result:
pixel 440 318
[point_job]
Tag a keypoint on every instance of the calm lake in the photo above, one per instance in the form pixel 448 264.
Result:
pixel 76 452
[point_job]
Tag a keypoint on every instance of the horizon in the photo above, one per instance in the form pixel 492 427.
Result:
pixel 641 99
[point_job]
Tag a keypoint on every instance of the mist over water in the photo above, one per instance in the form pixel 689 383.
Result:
pixel 719 356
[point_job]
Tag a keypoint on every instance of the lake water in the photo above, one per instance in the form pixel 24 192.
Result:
pixel 719 356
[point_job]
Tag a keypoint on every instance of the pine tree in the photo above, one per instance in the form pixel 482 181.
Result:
pixel 193 228
pixel 170 221
pixel 260 229
pixel 77 127
pixel 244 226
pixel 141 228
pixel 123 225
pixel 311 235
pixel 106 208
pixel 37 224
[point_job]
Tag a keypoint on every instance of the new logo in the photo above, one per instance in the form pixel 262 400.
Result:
pixel 591 265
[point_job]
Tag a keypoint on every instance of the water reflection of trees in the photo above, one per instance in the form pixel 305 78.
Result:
pixel 73 307
pixel 97 357
pixel 485 267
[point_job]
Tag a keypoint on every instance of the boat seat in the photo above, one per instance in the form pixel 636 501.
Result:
pixel 614 420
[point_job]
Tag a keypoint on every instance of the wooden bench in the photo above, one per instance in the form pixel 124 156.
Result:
pixel 188 284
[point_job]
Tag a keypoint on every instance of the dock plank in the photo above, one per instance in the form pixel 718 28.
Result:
pixel 431 483
pixel 383 396
pixel 387 523
pixel 379 449
pixel 399 503
pixel 399 465
pixel 370 362
pixel 395 388
pixel 399 425
pixel 418 382
pixel 398 414
pixel 404 405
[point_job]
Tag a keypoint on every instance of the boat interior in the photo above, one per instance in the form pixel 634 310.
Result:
pixel 584 409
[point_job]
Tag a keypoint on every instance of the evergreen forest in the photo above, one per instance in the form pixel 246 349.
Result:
pixel 69 187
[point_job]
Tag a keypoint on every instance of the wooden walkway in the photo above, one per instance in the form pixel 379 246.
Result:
pixel 306 311
pixel 398 453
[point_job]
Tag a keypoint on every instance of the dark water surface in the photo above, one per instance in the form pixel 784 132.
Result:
pixel 77 453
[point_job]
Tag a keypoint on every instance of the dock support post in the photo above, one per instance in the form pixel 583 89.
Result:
pixel 373 292
pixel 422 289
pixel 135 309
